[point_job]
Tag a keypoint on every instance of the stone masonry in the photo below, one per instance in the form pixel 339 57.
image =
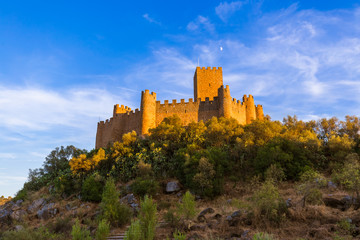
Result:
pixel 211 99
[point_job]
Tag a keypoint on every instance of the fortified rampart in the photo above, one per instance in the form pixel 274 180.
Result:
pixel 211 99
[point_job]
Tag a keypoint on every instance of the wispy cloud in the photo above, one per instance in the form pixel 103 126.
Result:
pixel 201 23
pixel 150 19
pixel 40 109
pixel 295 65
pixel 225 10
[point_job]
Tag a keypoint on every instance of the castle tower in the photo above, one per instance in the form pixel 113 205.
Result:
pixel 225 101
pixel 148 111
pixel 259 112
pixel 207 82
pixel 250 108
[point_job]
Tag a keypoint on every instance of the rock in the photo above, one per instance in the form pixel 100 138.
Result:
pixel 128 199
pixel 18 215
pixel 201 218
pixel 245 233
pixel 217 216
pixel 236 214
pixel 131 200
pixel 331 185
pixel 172 187
pixel 67 207
pixel 234 219
pixel 348 201
pixel 5 216
pixel 229 201
pixel 51 189
pixel 19 202
pixel 334 203
pixel 206 211
pixel 36 204
pixel 288 203
pixel 47 211
pixel 197 227
pixel 18 228
pixel 179 194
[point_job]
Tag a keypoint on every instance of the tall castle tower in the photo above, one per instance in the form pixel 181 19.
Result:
pixel 211 99
pixel 207 82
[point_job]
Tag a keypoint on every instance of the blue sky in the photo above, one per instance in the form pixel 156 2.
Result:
pixel 64 64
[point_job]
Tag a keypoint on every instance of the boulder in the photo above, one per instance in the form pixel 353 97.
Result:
pixel 334 203
pixel 128 199
pixel 131 200
pixel 348 201
pixel 172 187
pixel 206 211
pixel 18 215
pixel 288 203
pixel 47 211
pixel 18 228
pixel 36 204
pixel 4 216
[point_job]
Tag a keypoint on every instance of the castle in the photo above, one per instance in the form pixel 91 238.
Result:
pixel 211 99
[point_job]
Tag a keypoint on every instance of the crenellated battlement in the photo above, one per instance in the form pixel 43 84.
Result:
pixel 211 98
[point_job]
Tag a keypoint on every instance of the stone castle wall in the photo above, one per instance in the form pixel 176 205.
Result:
pixel 213 100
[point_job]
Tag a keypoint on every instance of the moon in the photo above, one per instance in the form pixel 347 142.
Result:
pixel 221 48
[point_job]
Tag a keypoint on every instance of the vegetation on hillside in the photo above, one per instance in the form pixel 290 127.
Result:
pixel 203 157
pixel 200 154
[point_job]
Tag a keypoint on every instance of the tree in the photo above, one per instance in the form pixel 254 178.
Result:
pixel 59 158
pixel 147 218
pixel 349 175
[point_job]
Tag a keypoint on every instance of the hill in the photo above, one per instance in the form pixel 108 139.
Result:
pixel 294 180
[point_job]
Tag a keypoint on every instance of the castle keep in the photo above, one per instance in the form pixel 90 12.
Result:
pixel 211 99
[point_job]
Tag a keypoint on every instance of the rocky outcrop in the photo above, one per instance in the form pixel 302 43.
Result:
pixel 48 211
pixel 172 187
pixel 36 204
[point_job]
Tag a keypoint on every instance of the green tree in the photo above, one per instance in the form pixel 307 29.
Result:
pixel 349 175
pixel 112 210
pixel 148 218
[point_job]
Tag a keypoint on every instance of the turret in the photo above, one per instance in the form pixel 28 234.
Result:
pixel 119 110
pixel 225 101
pixel 250 108
pixel 148 111
pixel 259 112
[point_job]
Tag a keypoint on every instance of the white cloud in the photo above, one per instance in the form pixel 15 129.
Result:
pixel 224 10
pixel 201 23
pixel 40 109
pixel 150 19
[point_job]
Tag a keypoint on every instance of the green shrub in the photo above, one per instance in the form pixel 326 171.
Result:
pixel 290 155
pixel 103 230
pixel 142 187
pixel 31 234
pixel 274 173
pixel 61 225
pixel 349 175
pixel 92 188
pixel 134 231
pixel 179 236
pixel 21 195
pixel 171 218
pixel 346 226
pixel 111 209
pixel 268 204
pixel 67 183
pixel 263 236
pixel 310 184
pixel 187 207
pixel 78 233
pixel 148 219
